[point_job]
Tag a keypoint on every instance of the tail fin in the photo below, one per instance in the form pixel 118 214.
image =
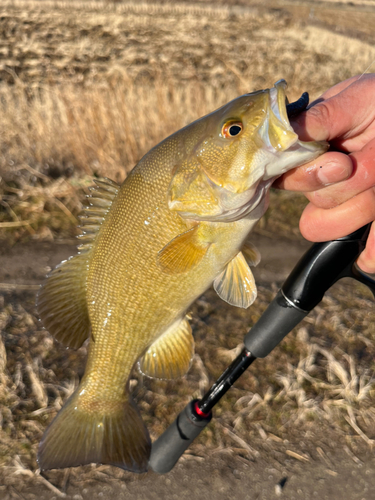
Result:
pixel 76 437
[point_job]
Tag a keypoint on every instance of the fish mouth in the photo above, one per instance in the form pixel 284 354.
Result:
pixel 284 111
pixel 289 152
pixel 282 108
pixel 278 102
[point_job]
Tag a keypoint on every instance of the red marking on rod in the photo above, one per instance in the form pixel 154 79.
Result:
pixel 200 412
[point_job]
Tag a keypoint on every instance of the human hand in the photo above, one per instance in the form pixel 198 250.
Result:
pixel 340 184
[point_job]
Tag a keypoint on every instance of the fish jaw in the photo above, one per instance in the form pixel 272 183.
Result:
pixel 224 179
pixel 287 150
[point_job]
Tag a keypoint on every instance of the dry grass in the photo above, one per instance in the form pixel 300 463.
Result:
pixel 321 372
pixel 122 80
pixel 87 95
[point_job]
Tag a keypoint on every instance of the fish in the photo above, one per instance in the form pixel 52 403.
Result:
pixel 149 248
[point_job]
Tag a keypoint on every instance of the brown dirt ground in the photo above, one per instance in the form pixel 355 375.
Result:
pixel 327 463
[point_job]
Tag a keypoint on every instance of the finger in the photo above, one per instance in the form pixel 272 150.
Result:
pixel 319 224
pixel 343 115
pixel 329 168
pixel 336 89
pixel 362 178
pixel 366 260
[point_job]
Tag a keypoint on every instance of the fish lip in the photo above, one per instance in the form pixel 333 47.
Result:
pixel 277 112
pixel 279 106
pixel 278 102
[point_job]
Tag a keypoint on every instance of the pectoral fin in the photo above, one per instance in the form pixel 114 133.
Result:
pixel 251 254
pixel 236 284
pixel 170 356
pixel 183 253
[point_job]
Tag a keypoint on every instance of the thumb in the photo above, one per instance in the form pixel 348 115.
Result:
pixel 338 116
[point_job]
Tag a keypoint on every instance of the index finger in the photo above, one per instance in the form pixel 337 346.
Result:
pixel 336 89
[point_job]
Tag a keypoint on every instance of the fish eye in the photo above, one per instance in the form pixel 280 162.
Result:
pixel 231 129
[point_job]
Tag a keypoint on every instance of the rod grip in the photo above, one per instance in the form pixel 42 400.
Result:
pixel 169 447
pixel 280 317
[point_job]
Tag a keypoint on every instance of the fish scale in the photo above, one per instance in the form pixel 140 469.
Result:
pixel 175 226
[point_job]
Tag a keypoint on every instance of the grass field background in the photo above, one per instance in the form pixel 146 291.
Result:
pixel 87 88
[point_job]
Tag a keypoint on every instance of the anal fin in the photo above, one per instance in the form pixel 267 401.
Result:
pixel 170 355
pixel 236 284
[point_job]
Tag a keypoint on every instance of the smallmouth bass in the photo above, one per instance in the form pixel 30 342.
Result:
pixel 149 249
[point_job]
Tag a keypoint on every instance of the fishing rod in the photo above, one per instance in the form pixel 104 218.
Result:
pixel 318 269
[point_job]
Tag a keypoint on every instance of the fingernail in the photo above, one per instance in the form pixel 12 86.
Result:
pixel 332 172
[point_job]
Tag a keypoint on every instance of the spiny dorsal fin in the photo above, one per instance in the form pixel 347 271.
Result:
pixel 100 200
pixel 236 284
pixel 61 301
pixel 170 355
pixel 183 253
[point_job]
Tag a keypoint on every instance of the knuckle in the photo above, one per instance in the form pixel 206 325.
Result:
pixel 321 199
pixel 371 204
pixel 321 112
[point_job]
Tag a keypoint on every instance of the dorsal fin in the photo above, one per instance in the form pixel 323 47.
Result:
pixel 61 302
pixel 100 200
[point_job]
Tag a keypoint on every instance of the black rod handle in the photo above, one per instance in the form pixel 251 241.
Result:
pixel 317 270
pixel 324 264
pixel 169 447
pixel 280 317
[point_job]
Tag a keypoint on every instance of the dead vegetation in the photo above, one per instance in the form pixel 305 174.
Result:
pixel 87 95
pixel 321 376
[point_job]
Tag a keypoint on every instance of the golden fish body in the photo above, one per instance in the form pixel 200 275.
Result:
pixel 150 248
